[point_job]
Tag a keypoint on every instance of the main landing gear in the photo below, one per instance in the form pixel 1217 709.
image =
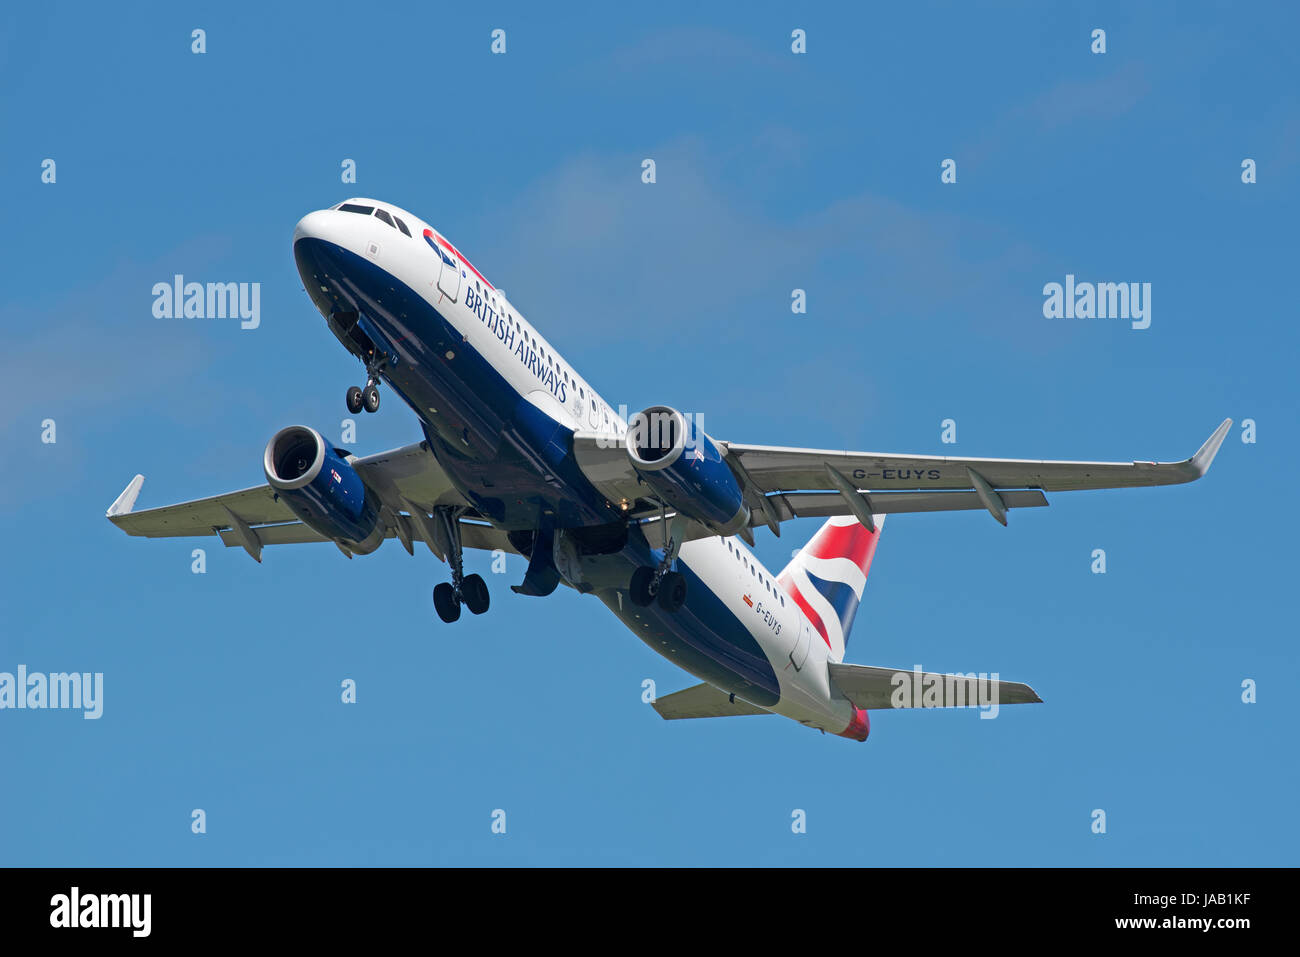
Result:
pixel 668 588
pixel 468 590
pixel 650 585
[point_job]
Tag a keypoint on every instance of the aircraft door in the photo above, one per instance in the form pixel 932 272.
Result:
pixel 449 278
pixel 800 653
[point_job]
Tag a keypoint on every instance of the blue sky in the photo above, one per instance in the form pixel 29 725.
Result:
pixel 774 171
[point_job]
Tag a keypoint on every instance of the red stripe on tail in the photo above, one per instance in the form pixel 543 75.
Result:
pixel 799 600
pixel 853 542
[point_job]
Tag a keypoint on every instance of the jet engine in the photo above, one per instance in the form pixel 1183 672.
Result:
pixel 685 468
pixel 323 489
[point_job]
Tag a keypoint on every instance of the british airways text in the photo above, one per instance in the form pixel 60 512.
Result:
pixel 525 353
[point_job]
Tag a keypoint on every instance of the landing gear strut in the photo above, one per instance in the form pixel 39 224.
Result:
pixel 367 398
pixel 659 584
pixel 469 590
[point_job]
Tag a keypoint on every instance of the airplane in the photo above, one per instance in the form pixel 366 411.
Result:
pixel 652 516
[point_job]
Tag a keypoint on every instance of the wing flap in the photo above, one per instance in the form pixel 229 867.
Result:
pixel 289 533
pixel 472 535
pixel 826 504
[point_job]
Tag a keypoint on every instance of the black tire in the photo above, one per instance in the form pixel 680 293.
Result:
pixel 354 400
pixel 444 601
pixel 474 593
pixel 370 398
pixel 639 589
pixel 672 591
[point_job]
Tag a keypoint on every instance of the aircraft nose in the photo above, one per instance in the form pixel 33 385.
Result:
pixel 312 226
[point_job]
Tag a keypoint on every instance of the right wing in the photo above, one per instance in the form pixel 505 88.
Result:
pixel 779 483
pixel 408 481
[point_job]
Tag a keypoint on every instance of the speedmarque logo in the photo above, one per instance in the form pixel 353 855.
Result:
pixel 102 910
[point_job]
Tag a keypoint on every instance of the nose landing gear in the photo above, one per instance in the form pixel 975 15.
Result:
pixel 367 398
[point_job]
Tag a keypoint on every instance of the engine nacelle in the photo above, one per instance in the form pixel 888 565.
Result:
pixel 322 489
pixel 685 468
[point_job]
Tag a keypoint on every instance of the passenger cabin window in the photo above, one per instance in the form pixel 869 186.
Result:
pixel 402 226
pixel 383 214
pixel 354 208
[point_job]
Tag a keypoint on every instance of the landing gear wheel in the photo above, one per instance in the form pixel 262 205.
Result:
pixel 370 398
pixel 444 600
pixel 354 400
pixel 672 591
pixel 474 593
pixel 639 589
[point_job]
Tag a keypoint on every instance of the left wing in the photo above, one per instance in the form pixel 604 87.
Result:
pixel 784 483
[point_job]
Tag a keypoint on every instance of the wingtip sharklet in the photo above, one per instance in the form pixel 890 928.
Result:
pixel 125 502
pixel 1204 457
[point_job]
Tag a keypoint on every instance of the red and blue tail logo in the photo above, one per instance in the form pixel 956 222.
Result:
pixel 828 575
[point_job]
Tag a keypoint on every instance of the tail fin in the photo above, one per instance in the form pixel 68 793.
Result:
pixel 826 577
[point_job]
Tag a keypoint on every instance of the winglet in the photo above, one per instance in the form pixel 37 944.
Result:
pixel 1200 462
pixel 126 501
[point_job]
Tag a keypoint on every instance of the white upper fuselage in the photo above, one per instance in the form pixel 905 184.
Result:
pixel 497 329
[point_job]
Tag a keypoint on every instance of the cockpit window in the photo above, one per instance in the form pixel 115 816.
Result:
pixel 354 208
pixel 383 214
pixel 402 226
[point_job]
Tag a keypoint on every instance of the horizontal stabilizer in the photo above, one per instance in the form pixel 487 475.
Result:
pixel 880 688
pixel 703 701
